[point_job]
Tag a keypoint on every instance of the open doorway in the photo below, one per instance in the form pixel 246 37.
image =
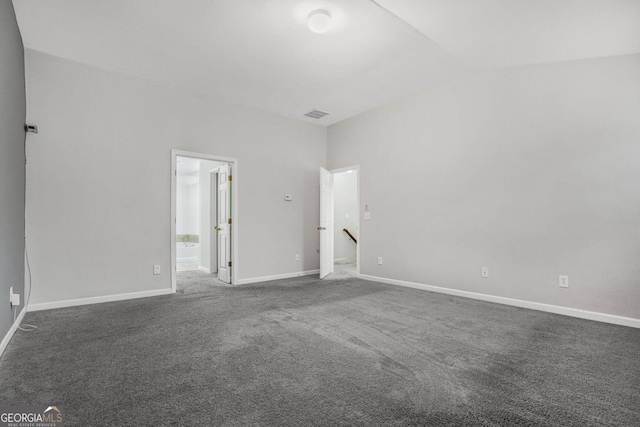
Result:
pixel 203 229
pixel 345 223
pixel 339 223
pixel 192 213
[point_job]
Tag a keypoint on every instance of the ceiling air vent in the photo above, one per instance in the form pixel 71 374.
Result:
pixel 316 114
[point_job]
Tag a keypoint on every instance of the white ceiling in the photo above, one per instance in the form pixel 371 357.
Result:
pixel 260 53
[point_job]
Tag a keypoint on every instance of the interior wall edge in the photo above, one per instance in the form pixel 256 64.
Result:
pixel 12 330
pixel 97 300
pixel 549 308
pixel 12 166
pixel 277 277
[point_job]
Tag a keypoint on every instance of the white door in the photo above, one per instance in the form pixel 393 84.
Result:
pixel 213 210
pixel 326 222
pixel 224 223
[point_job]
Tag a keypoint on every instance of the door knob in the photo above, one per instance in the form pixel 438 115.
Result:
pixel 218 228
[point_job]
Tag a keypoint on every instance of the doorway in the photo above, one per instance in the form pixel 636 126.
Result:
pixel 203 212
pixel 346 225
pixel 340 223
pixel 192 210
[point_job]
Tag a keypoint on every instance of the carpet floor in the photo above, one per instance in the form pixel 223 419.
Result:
pixel 307 352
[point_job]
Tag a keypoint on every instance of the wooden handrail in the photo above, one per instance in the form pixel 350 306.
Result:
pixel 350 235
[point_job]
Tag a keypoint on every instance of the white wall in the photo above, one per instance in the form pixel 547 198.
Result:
pixel 188 208
pixel 532 171
pixel 345 203
pixel 98 178
pixel 12 168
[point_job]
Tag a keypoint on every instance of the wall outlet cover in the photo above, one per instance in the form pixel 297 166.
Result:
pixel 156 269
pixel 484 272
pixel 563 281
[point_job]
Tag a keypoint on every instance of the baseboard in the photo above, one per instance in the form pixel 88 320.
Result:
pixel 277 277
pixel 557 309
pixel 96 300
pixel 12 330
pixel 205 269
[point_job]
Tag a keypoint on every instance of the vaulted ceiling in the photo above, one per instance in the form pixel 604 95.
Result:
pixel 261 53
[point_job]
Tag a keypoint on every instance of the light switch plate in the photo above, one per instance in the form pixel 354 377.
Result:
pixel 288 198
pixel 367 215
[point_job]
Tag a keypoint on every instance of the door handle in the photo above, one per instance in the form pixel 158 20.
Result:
pixel 322 228
pixel 218 228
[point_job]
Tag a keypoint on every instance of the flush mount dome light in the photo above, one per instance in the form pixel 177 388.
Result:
pixel 319 21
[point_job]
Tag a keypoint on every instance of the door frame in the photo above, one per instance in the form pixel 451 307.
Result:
pixel 355 168
pixel 234 209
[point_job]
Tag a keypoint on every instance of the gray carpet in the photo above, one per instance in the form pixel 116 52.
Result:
pixel 304 352
pixel 343 271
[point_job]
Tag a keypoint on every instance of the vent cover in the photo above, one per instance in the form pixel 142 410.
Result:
pixel 316 114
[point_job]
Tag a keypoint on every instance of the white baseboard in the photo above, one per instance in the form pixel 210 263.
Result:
pixel 557 309
pixel 96 300
pixel 12 330
pixel 205 269
pixel 277 277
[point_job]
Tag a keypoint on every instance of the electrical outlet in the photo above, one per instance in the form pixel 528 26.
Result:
pixel 379 260
pixel 156 269
pixel 563 281
pixel 297 257
pixel 485 272
pixel 14 299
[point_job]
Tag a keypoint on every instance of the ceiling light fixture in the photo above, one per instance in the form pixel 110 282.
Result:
pixel 319 21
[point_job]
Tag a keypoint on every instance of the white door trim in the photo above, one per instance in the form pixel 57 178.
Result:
pixel 234 211
pixel 357 169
